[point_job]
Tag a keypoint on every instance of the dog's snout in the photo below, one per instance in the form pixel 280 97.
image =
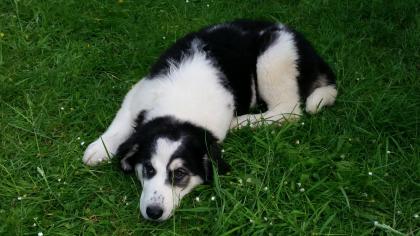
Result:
pixel 154 212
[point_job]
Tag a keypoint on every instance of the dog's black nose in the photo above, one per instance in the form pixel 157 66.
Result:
pixel 154 212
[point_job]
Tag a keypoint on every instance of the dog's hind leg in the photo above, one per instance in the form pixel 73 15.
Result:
pixel 277 75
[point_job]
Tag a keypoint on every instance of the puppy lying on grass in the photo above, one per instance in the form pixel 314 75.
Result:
pixel 171 122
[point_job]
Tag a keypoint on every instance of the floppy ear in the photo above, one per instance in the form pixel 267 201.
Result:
pixel 213 158
pixel 128 149
pixel 126 152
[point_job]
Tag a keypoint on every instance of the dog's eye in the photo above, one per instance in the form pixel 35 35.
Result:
pixel 148 170
pixel 179 174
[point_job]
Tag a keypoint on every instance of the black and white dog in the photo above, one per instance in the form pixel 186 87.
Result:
pixel 171 122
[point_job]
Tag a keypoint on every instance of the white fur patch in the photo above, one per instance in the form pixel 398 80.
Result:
pixel 183 92
pixel 320 97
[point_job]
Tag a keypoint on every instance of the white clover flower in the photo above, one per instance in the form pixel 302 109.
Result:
pixel 388 152
pixel 416 216
pixel 223 150
pixel 375 223
pixel 34 225
pixel 285 182
pixel 197 199
pixel 265 218
pixel 62 108
pixel 303 123
pixel 19 198
pixel 40 234
pixel 78 138
pixel 213 198
pixel 208 5
pixel 370 173
pixel 299 184
pixel 265 188
pixel 297 141
pixel 59 180
pixel 302 190
pixel 163 37
pixel 82 143
pixel 240 181
pixel 251 221
pixel 187 1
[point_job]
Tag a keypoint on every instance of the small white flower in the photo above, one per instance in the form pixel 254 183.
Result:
pixel 35 218
pixel 399 212
pixel 349 139
pixel 19 198
pixel 126 203
pixel 303 123
pixel 375 223
pixel 416 216
pixel 223 150
pixel 273 132
pixel 208 5
pixel 34 225
pixel 297 141
pixel 213 198
pixel 82 143
pixel 388 152
pixel 265 188
pixel 62 108
pixel 285 182
pixel 271 223
pixel 187 1
pixel 197 199
pixel 240 181
pixel 40 234
pixel 370 173
pixel 78 138
pixel 248 180
pixel 302 190
pixel 342 156
pixel 357 79
pixel 265 218
pixel 59 180
pixel 299 184
pixel 163 37
pixel 251 221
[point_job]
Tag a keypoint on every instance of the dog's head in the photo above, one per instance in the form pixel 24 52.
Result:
pixel 170 158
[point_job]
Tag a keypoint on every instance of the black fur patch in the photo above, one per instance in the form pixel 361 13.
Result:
pixel 197 144
pixel 234 48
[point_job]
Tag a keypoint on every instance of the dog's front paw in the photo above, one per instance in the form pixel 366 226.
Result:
pixel 96 153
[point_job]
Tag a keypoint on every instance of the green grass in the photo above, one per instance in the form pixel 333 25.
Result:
pixel 66 65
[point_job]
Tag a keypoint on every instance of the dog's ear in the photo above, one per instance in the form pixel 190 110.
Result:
pixel 213 158
pixel 126 153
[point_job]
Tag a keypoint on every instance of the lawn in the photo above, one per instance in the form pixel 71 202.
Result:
pixel 352 169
